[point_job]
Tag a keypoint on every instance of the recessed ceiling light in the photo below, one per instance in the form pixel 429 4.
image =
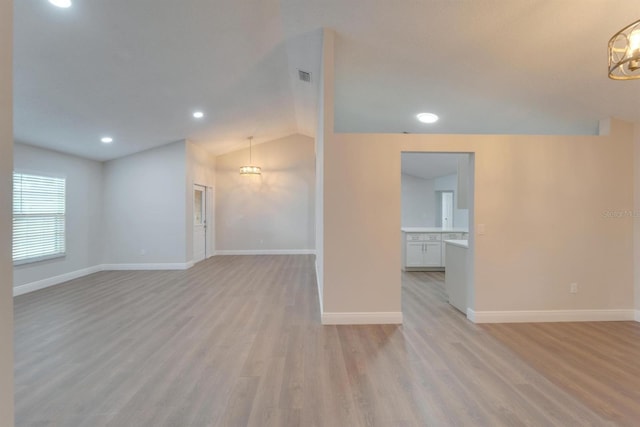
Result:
pixel 61 3
pixel 107 140
pixel 427 117
pixel 198 114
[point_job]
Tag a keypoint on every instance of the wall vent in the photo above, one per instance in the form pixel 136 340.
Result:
pixel 305 76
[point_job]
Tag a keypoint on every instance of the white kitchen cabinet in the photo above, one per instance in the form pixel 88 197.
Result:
pixel 448 236
pixel 422 250
pixel 432 254
pixel 414 256
pixel 423 254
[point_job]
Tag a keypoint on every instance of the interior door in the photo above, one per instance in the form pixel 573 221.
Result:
pixel 447 209
pixel 199 223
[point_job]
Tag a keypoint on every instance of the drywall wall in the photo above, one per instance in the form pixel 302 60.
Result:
pixel 200 170
pixel 547 202
pixel 6 168
pixel 144 207
pixel 324 128
pixel 418 202
pixel 83 211
pixel 636 217
pixel 272 211
pixel 450 183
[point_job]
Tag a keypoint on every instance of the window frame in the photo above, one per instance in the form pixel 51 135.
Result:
pixel 39 258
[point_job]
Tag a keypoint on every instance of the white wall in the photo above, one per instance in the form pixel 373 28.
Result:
pixel 6 168
pixel 542 199
pixel 636 217
pixel 144 207
pixel 273 211
pixel 450 183
pixel 324 129
pixel 83 211
pixel 200 170
pixel 418 201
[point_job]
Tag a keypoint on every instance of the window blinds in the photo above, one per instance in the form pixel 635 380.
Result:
pixel 38 217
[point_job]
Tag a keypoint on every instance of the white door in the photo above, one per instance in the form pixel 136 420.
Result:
pixel 447 209
pixel 199 222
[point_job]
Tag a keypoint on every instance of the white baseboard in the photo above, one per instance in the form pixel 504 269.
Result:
pixel 56 280
pixel 52 281
pixel 374 318
pixel 538 316
pixel 267 252
pixel 637 316
pixel 149 266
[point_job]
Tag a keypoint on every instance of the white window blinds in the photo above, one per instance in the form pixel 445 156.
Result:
pixel 38 217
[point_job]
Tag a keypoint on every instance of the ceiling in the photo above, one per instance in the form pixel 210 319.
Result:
pixel 430 165
pixel 136 70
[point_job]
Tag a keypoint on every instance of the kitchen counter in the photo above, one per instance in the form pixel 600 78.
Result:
pixel 433 230
pixel 456 281
pixel 460 243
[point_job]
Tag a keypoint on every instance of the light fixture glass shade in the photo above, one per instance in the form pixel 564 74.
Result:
pixel 624 53
pixel 250 170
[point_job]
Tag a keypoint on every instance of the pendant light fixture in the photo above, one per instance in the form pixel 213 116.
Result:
pixel 624 53
pixel 250 169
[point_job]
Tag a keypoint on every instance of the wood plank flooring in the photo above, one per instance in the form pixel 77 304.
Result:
pixel 237 341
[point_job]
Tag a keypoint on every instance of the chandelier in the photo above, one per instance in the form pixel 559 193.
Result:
pixel 624 53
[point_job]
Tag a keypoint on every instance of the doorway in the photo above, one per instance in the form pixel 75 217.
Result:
pixel 436 232
pixel 199 223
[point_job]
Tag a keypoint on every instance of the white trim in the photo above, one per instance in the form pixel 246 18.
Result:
pixel 267 252
pixel 536 316
pixel 637 316
pixel 320 296
pixel 374 318
pixel 149 266
pixel 56 280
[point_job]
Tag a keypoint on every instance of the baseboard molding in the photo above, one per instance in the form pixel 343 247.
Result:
pixel 637 316
pixel 539 316
pixel 267 252
pixel 148 266
pixel 374 318
pixel 56 280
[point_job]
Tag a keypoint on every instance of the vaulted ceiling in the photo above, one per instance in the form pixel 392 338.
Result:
pixel 137 70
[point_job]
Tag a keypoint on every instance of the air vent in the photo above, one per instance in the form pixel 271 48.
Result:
pixel 304 76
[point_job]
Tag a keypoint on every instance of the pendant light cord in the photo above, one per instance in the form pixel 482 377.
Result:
pixel 250 139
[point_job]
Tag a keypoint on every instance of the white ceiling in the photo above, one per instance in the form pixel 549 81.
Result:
pixel 136 70
pixel 430 165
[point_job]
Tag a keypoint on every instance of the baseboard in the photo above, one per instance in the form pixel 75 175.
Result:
pixel 374 318
pixel 267 252
pixel 637 316
pixel 149 266
pixel 56 280
pixel 538 316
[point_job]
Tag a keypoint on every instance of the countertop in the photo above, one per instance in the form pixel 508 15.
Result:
pixel 433 230
pixel 460 243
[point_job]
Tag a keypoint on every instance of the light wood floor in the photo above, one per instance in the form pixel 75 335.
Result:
pixel 237 341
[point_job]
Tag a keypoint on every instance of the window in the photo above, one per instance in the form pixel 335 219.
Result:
pixel 38 217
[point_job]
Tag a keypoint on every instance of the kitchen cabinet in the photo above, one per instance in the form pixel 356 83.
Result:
pixel 424 248
pixel 423 254
pixel 448 236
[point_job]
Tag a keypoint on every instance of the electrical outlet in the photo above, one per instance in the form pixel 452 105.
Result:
pixel 573 288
